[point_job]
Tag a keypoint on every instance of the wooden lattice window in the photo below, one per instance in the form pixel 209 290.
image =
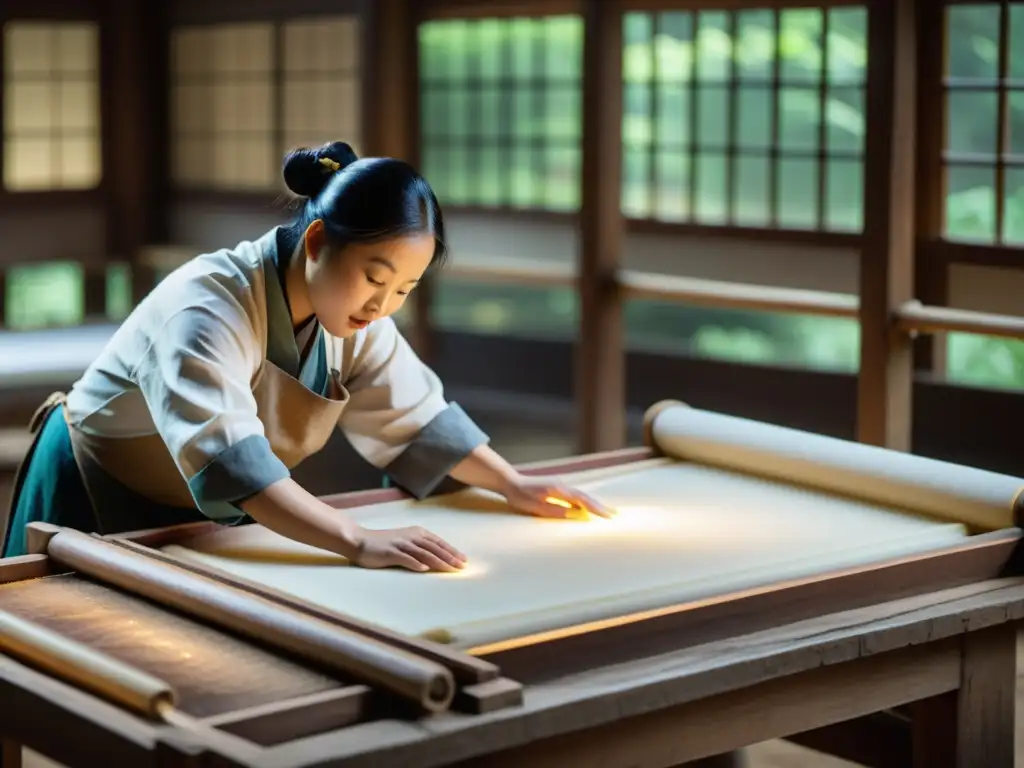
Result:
pixel 984 137
pixel 321 82
pixel 222 107
pixel 500 111
pixel 51 108
pixel 747 118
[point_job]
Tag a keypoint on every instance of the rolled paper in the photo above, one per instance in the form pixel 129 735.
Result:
pixel 84 667
pixel 421 681
pixel 929 487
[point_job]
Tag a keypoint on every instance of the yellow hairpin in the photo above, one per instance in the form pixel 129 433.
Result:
pixel 331 165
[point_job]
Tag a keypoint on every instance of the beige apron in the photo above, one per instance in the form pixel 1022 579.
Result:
pixel 297 422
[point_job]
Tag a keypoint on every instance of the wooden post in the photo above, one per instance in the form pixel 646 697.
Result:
pixel 931 281
pixel 391 121
pixel 135 113
pixel 976 724
pixel 884 388
pixel 390 80
pixel 601 363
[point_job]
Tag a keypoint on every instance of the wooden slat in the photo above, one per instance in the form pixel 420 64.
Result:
pixel 931 275
pixel 282 721
pixel 884 387
pixel 914 316
pixel 715 293
pixel 600 364
pixel 512 272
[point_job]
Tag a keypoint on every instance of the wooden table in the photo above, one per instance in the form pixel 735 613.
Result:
pixel 890 642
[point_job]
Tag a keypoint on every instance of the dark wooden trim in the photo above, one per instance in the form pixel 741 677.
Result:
pixel 931 278
pixel 44 199
pixel 879 740
pixel 885 383
pixel 600 355
pixel 135 99
pixel 823 239
pixel 715 5
pixel 474 9
pixel 231 199
pixel 836 240
pixel 190 12
pixel 951 252
pixel 50 10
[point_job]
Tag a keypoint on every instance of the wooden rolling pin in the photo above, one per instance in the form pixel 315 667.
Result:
pixel 84 667
pixel 106 677
pixel 425 683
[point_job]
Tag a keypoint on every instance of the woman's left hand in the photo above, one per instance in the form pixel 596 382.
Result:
pixel 546 497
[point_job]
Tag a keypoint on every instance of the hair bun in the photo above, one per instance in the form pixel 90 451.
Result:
pixel 306 174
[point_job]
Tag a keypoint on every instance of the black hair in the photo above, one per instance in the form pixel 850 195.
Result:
pixel 360 201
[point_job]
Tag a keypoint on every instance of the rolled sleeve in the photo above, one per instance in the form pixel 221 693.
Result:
pixel 237 473
pixel 439 447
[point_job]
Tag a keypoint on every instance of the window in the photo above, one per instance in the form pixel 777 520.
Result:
pixel 51 106
pixel 222 107
pixel 750 118
pixel 52 294
pixel 241 100
pixel 984 150
pixel 985 361
pixel 321 82
pixel 500 111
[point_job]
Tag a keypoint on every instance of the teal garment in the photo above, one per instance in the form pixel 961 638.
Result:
pixel 51 490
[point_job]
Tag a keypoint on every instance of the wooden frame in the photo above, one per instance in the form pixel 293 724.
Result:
pixel 897 632
pixel 773 153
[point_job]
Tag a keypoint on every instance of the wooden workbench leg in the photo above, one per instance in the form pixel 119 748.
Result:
pixel 973 727
pixel 986 710
pixel 10 754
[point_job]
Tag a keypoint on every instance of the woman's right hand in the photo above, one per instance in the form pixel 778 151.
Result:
pixel 414 548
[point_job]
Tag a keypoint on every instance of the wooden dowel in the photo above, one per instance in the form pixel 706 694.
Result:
pixel 427 684
pixel 464 668
pixel 514 272
pixel 713 293
pixel 108 678
pixel 84 667
pixel 915 316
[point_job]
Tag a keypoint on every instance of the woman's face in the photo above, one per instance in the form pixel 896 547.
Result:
pixel 365 281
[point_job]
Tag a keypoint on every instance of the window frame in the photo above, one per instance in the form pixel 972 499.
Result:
pixel 57 11
pixel 454 10
pixel 203 13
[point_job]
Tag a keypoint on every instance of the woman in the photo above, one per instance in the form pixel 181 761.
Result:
pixel 241 363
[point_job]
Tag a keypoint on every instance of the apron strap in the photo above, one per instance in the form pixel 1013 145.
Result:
pixel 54 400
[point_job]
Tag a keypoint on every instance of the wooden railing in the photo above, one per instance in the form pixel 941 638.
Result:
pixel 913 317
